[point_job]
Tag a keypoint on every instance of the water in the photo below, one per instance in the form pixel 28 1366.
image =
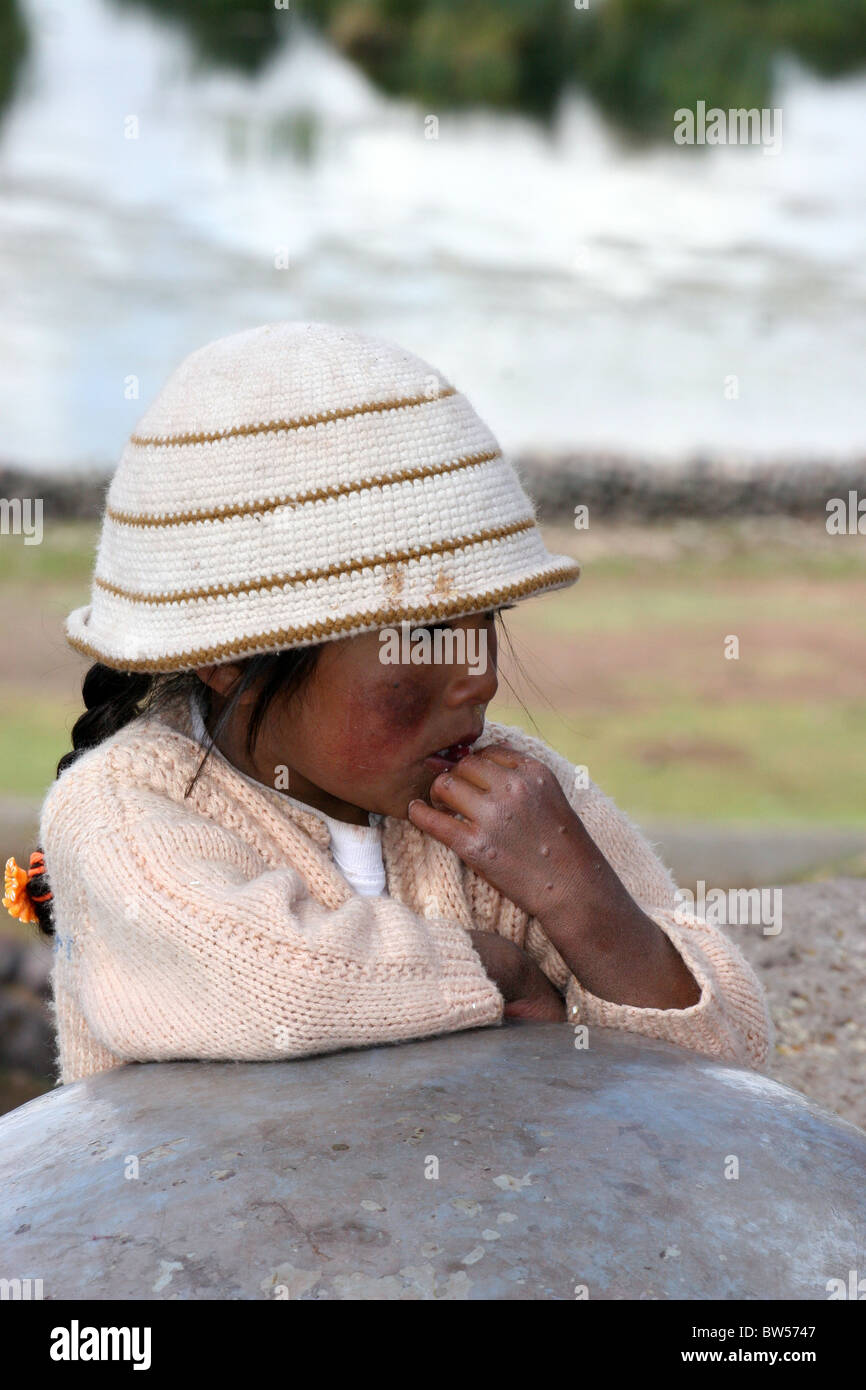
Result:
pixel 581 292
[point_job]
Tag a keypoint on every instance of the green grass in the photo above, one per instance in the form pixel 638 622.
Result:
pixel 741 560
pixel 795 764
pixel 608 600
pixel 620 607
pixel 34 735
pixel 66 555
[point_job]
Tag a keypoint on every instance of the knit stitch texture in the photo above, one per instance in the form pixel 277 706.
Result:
pixel 299 483
pixel 219 926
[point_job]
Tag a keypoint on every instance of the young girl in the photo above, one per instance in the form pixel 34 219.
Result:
pixel 358 858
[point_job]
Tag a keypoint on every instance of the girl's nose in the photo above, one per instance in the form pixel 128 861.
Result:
pixel 473 684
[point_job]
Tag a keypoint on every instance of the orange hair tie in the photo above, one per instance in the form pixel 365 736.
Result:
pixel 18 899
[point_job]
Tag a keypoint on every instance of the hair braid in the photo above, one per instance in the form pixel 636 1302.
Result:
pixel 114 698
pixel 111 699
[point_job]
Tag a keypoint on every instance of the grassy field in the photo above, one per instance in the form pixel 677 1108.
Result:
pixel 628 671
pixel 625 672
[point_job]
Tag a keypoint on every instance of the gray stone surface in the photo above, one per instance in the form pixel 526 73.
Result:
pixel 558 1168
pixel 26 1029
pixel 814 972
pixel 744 857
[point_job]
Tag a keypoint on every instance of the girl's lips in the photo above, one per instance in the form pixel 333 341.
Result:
pixel 448 757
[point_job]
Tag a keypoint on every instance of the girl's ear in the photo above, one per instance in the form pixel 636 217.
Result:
pixel 219 678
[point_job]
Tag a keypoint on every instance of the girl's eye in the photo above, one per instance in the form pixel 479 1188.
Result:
pixel 488 617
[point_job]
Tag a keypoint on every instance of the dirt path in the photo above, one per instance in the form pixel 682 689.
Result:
pixel 814 973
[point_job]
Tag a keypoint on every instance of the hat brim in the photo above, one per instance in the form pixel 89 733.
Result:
pixel 561 572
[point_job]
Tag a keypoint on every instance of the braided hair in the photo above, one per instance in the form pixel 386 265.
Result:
pixel 114 698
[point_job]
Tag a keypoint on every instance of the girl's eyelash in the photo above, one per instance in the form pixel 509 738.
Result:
pixel 489 615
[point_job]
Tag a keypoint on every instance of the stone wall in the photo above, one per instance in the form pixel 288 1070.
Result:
pixel 623 488
pixel 609 484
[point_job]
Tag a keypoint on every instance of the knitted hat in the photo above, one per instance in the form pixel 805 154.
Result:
pixel 299 483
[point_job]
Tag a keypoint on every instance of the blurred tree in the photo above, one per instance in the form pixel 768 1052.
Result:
pixel 241 34
pixel 14 46
pixel 643 59
pixel 452 53
pixel 639 59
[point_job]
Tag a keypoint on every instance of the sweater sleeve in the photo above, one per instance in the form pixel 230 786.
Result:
pixel 189 946
pixel 730 1020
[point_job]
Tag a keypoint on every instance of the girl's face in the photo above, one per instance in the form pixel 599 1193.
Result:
pixel 359 735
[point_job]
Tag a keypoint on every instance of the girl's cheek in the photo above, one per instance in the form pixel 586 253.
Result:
pixel 405 703
pixel 386 718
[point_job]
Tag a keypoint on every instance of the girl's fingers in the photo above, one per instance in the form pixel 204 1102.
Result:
pixel 474 770
pixel 501 753
pixel 458 793
pixel 481 767
pixel 440 824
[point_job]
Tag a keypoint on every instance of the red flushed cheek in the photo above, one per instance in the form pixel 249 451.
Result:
pixel 384 720
pixel 406 705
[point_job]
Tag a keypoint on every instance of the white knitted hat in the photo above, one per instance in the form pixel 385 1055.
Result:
pixel 299 483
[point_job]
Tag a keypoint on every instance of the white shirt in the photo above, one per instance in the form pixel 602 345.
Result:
pixel 357 849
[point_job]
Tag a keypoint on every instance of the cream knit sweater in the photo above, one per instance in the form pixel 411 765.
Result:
pixel 219 927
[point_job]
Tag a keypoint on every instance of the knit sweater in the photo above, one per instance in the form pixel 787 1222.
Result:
pixel 218 926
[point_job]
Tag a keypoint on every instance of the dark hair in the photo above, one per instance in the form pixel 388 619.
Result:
pixel 114 698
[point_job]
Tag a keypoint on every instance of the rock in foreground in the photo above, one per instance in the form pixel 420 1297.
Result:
pixel 498 1163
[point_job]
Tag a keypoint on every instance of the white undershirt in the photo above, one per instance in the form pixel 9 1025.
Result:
pixel 357 849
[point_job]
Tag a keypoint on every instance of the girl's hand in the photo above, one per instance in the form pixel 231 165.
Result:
pixel 519 831
pixel 526 989
pixel 520 834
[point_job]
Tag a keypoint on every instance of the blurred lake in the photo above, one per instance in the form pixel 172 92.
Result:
pixel 583 291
